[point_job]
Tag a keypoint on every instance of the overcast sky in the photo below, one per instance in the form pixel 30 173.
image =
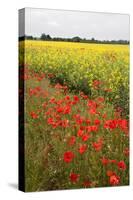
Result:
pixel 68 24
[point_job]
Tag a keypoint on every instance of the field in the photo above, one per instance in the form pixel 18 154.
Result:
pixel 76 115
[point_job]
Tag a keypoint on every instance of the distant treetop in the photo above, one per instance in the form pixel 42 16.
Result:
pixel 45 37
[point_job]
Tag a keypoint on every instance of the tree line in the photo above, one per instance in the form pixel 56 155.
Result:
pixel 45 37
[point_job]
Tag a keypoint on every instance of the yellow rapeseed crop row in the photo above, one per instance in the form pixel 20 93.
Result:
pixel 79 64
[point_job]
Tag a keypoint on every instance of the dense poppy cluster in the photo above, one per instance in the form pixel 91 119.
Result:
pixel 88 129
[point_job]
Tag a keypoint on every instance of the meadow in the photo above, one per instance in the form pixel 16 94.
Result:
pixel 76 115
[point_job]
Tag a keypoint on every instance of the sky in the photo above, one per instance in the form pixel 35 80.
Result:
pixel 68 24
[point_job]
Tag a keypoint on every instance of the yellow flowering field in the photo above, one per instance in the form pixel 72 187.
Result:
pixel 78 65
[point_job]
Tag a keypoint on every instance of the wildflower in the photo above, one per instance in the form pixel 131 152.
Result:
pixel 122 165
pixel 96 121
pixel 91 104
pixel 105 161
pixel 100 99
pixel 80 132
pixel 126 151
pixel 59 109
pixel 113 161
pixel 67 110
pixel 74 177
pixel 50 121
pixel 104 115
pixel 68 156
pixel 123 124
pixel 87 121
pixel 82 148
pixel 96 84
pixel 32 92
pixel 72 140
pixel 114 180
pixel 111 124
pixel 98 145
pixel 83 95
pixel 94 128
pixel 65 123
pixel 33 115
pixel 110 173
pixel 67 98
pixel 76 98
pixel 79 120
pixel 52 100
pixel 92 111
pixel 86 183
pixel 44 105
pixel 85 137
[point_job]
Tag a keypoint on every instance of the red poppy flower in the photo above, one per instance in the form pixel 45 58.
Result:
pixel 77 116
pixel 110 173
pixel 44 105
pixel 96 121
pixel 52 100
pixel 59 102
pixel 65 123
pixel 111 124
pixel 98 145
pixel 59 109
pixel 82 128
pixel 57 86
pixel 68 156
pixel 123 124
pixel 92 111
pixel 50 121
pixel 126 151
pixel 38 88
pixel 72 140
pixel 80 132
pixel 33 115
pixel 94 128
pixel 114 180
pixel 96 84
pixel 105 161
pixel 85 137
pixel 67 110
pixel 122 165
pixel 74 177
pixel 67 98
pixel 88 121
pixel 82 148
pixel 113 161
pixel 79 120
pixel 76 98
pixel 104 115
pixel 32 92
pixel 100 99
pixel 86 183
pixel 91 104
pixel 83 95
